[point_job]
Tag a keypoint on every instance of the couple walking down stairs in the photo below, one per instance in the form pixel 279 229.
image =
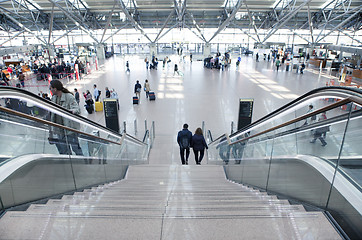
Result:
pixel 167 202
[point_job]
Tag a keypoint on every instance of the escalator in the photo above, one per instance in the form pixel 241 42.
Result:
pixel 316 162
pixel 280 154
pixel 31 167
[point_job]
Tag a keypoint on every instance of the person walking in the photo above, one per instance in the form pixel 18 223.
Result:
pixel 65 140
pixel 321 132
pixel 127 66
pixel 184 138
pixel 137 89
pixel 198 145
pixel 76 95
pixel 147 62
pixel 147 88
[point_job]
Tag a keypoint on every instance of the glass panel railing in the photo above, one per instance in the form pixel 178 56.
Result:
pixel 316 160
pixel 41 158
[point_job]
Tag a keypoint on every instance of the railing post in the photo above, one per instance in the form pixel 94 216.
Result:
pixel 153 129
pixel 232 127
pixel 124 126
pixel 203 127
pixel 145 125
pixel 135 126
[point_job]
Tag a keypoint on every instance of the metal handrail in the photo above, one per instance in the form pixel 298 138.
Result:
pixel 23 115
pixel 342 102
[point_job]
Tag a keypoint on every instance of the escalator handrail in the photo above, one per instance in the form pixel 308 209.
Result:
pixel 23 115
pixel 305 116
pixel 17 91
pixel 63 110
pixel 351 91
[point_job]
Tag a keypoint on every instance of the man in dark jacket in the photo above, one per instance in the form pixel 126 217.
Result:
pixel 184 138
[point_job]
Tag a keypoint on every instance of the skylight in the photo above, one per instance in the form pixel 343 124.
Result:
pixel 78 4
pixel 279 4
pixel 33 5
pixel 328 4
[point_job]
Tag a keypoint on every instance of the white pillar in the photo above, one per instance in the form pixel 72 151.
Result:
pixel 100 52
pixel 153 49
pixel 207 49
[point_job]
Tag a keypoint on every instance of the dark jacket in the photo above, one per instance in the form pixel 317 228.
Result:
pixel 137 86
pixel 181 134
pixel 198 142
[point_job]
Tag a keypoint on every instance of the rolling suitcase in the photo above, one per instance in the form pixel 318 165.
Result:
pixel 89 108
pixel 99 106
pixel 135 100
pixel 152 96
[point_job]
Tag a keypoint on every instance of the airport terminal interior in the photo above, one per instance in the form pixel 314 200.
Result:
pixel 274 86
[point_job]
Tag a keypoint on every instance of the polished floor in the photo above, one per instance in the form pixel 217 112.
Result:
pixel 194 95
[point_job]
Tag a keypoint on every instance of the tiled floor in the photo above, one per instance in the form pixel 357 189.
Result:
pixel 194 95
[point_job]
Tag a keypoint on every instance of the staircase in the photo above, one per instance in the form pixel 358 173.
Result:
pixel 167 202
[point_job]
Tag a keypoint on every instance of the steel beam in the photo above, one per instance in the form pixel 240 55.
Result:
pixel 285 19
pixel 12 37
pixel 51 23
pixel 339 25
pixel 164 25
pixel 22 26
pixel 130 18
pixel 75 20
pixel 197 27
pixel 227 21
pixel 118 30
pixel 108 22
pixel 252 22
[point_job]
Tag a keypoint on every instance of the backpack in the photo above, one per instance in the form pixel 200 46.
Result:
pixel 185 143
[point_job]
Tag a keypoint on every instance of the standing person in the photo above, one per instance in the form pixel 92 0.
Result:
pixel 127 66
pixel 184 138
pixel 65 140
pixel 147 62
pixel 190 57
pixel 147 88
pixel 277 64
pixel 95 93
pixel 137 89
pixel 89 102
pixel 321 132
pixel 114 95
pixel 108 93
pixel 10 71
pixel 257 57
pixel 22 78
pixel 312 118
pixel 198 144
pixel 76 95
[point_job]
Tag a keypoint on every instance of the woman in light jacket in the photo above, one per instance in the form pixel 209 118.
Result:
pixel 198 145
pixel 147 88
pixel 64 139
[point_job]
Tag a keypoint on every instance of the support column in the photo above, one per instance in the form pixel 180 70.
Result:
pixel 100 52
pixel 207 49
pixel 51 53
pixel 153 49
pixel 340 56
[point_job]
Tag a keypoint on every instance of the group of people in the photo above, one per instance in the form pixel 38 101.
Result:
pixel 138 88
pixel 96 94
pixel 218 62
pixel 197 142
